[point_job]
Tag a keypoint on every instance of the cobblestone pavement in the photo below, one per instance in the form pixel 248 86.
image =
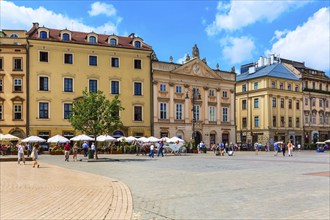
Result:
pixel 203 186
pixel 51 192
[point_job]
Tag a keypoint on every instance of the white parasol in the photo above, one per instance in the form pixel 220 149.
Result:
pixel 58 139
pixel 82 137
pixel 103 138
pixel 33 139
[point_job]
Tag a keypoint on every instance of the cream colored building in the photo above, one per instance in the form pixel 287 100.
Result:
pixel 13 82
pixel 63 63
pixel 316 98
pixel 269 103
pixel 174 86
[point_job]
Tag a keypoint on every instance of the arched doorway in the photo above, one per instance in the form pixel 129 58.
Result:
pixel 117 134
pixel 198 137
pixel 18 133
pixel 225 138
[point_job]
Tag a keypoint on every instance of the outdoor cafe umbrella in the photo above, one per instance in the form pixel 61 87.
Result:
pixel 8 137
pixel 327 141
pixel 152 139
pixel 33 139
pixel 58 139
pixel 102 138
pixel 82 137
pixel 175 139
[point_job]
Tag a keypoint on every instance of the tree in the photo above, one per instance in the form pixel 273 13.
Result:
pixel 96 115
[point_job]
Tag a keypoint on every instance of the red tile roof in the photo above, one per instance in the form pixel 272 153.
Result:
pixel 81 38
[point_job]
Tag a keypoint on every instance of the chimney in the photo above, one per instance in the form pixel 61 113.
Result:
pixel 272 57
pixel 260 61
pixel 35 24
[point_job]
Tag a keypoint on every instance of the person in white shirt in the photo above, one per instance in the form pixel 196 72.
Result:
pixel 93 149
pixel 299 146
pixel 20 153
pixel 152 151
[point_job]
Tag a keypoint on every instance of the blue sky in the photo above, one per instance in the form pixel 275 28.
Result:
pixel 230 33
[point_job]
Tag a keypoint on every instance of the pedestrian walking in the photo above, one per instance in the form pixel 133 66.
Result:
pixel 34 155
pixel 256 147
pixel 299 146
pixel 290 149
pixel 85 148
pixel 152 151
pixel 161 148
pixel 283 149
pixel 214 148
pixel 67 149
pixel 92 150
pixel 276 148
pixel 20 153
pixel 29 149
pixel 75 152
pixel 222 149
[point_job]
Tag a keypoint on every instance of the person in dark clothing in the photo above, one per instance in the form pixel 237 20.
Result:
pixel 283 149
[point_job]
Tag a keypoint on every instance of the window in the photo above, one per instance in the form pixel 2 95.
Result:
pixel 13 36
pixel 274 102
pixel 224 94
pixel 137 113
pixel 244 88
pixel 137 44
pixel 313 85
pixel 296 88
pixel 17 112
pixel 1 111
pixel 273 84
pixel 282 102
pixel 289 86
pixel 162 88
pixel 43 35
pixel 326 103
pixel 43 110
pixel 244 122
pixel 137 88
pixel 92 60
pixel 178 89
pixel 306 101
pixel 297 105
pixel 313 102
pixel 114 87
pixel 326 120
pixel 225 114
pixel 17 85
pixel 179 112
pixel 137 64
pixel 306 84
pixel 313 119
pixel 1 85
pixel 306 119
pixel 211 93
pixel 66 37
pixel 1 63
pixel 196 112
pixel 320 86
pixel 113 41
pixel 321 118
pixel 68 85
pixel 43 83
pixel 281 86
pixel 212 113
pixel 17 64
pixel 92 40
pixel 243 104
pixel 256 121
pixel 256 85
pixel 163 110
pixel 256 103
pixel 274 121
pixel 282 121
pixel 43 56
pixel 297 122
pixel 67 110
pixel 114 62
pixel 290 122
pixel 290 103
pixel 321 103
pixel 92 85
pixel 68 58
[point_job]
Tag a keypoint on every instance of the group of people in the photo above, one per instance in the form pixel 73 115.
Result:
pixel 282 147
pixel 32 152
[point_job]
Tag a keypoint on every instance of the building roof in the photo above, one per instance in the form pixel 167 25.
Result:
pixel 81 38
pixel 277 70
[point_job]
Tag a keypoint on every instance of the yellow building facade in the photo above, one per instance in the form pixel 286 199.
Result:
pixel 269 104
pixel 193 101
pixel 13 82
pixel 63 63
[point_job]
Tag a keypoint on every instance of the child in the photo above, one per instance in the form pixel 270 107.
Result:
pixel 34 155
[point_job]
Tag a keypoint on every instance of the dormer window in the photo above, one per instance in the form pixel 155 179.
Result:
pixel 113 41
pixel 13 36
pixel 66 37
pixel 137 44
pixel 43 35
pixel 92 40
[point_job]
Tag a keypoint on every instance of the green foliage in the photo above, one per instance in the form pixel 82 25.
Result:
pixel 95 114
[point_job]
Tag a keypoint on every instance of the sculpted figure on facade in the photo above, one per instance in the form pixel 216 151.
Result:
pixel 195 52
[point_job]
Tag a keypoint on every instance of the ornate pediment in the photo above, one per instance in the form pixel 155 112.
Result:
pixel 196 67
pixel 17 99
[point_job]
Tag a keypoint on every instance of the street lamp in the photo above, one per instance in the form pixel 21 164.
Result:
pixel 194 96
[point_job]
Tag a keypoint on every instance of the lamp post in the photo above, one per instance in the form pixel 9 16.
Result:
pixel 194 96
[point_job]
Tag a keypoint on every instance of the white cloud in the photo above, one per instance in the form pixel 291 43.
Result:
pixel 308 42
pixel 237 50
pixel 21 17
pixel 99 8
pixel 238 14
pixel 182 59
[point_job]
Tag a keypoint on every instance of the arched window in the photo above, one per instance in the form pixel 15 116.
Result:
pixel 43 35
pixel 13 36
pixel 113 41
pixel 92 40
pixel 137 44
pixel 65 37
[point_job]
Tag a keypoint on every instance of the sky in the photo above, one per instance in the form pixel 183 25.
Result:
pixel 228 33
